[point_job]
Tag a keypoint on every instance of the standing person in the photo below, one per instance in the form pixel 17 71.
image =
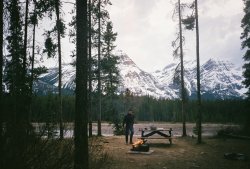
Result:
pixel 129 121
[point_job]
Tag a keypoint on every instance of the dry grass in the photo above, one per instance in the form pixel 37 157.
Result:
pixel 183 154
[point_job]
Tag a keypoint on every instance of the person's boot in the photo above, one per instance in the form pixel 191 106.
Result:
pixel 131 139
pixel 126 139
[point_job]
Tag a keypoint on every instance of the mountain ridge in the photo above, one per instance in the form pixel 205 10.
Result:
pixel 219 79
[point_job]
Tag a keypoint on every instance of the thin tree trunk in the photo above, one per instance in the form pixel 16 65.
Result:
pixel 60 68
pixel 198 73
pixel 25 37
pixel 32 63
pixel 90 72
pixel 25 94
pixel 182 74
pixel 81 115
pixel 1 85
pixel 99 128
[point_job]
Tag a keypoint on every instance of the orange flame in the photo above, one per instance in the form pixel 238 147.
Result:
pixel 137 143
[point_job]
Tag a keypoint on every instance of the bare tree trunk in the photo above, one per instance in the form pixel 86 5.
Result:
pixel 90 72
pixel 81 115
pixel 182 74
pixel 26 95
pixel 33 58
pixel 1 85
pixel 25 36
pixel 60 68
pixel 99 128
pixel 198 73
pixel 32 62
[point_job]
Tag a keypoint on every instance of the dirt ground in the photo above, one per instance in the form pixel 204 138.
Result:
pixel 184 153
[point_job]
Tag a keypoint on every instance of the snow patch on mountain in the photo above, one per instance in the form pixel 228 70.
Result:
pixel 219 79
pixel 140 82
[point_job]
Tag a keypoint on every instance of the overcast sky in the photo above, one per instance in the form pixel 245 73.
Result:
pixel 145 31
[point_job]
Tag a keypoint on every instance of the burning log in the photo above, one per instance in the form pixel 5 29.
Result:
pixel 140 145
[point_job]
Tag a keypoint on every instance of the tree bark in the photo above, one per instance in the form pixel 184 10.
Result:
pixel 60 67
pixel 26 95
pixel 1 85
pixel 32 62
pixel 198 74
pixel 81 115
pixel 182 74
pixel 33 58
pixel 25 37
pixel 99 128
pixel 90 71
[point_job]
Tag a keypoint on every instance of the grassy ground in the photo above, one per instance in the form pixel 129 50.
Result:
pixel 184 153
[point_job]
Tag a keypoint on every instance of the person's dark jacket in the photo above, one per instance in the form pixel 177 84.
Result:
pixel 128 119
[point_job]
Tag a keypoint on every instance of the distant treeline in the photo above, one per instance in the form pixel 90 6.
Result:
pixel 45 108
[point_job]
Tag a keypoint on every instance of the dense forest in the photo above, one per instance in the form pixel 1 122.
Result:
pixel 146 108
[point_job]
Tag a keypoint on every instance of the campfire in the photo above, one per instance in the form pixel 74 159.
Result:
pixel 140 145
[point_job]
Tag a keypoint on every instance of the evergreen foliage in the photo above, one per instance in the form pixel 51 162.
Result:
pixel 145 108
pixel 50 46
pixel 18 130
pixel 245 24
pixel 110 72
pixel 103 63
pixel 16 79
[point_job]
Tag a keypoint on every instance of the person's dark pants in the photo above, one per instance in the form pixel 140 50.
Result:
pixel 129 130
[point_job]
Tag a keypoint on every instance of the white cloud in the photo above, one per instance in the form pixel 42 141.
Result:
pixel 146 30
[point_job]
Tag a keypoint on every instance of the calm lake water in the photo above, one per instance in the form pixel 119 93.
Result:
pixel 208 129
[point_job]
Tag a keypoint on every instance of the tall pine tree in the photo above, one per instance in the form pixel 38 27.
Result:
pixel 50 47
pixel 198 73
pixel 17 126
pixel 99 128
pixel 245 36
pixel 1 84
pixel 109 62
pixel 90 65
pixel 100 16
pixel 81 115
pixel 189 23
pixel 60 31
pixel 110 71
pixel 179 73
pixel 16 79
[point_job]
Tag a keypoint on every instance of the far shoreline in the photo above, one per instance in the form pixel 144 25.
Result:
pixel 208 129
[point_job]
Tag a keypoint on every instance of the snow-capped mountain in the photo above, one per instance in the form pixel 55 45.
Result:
pixel 68 74
pixel 48 82
pixel 222 79
pixel 219 79
pixel 140 82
